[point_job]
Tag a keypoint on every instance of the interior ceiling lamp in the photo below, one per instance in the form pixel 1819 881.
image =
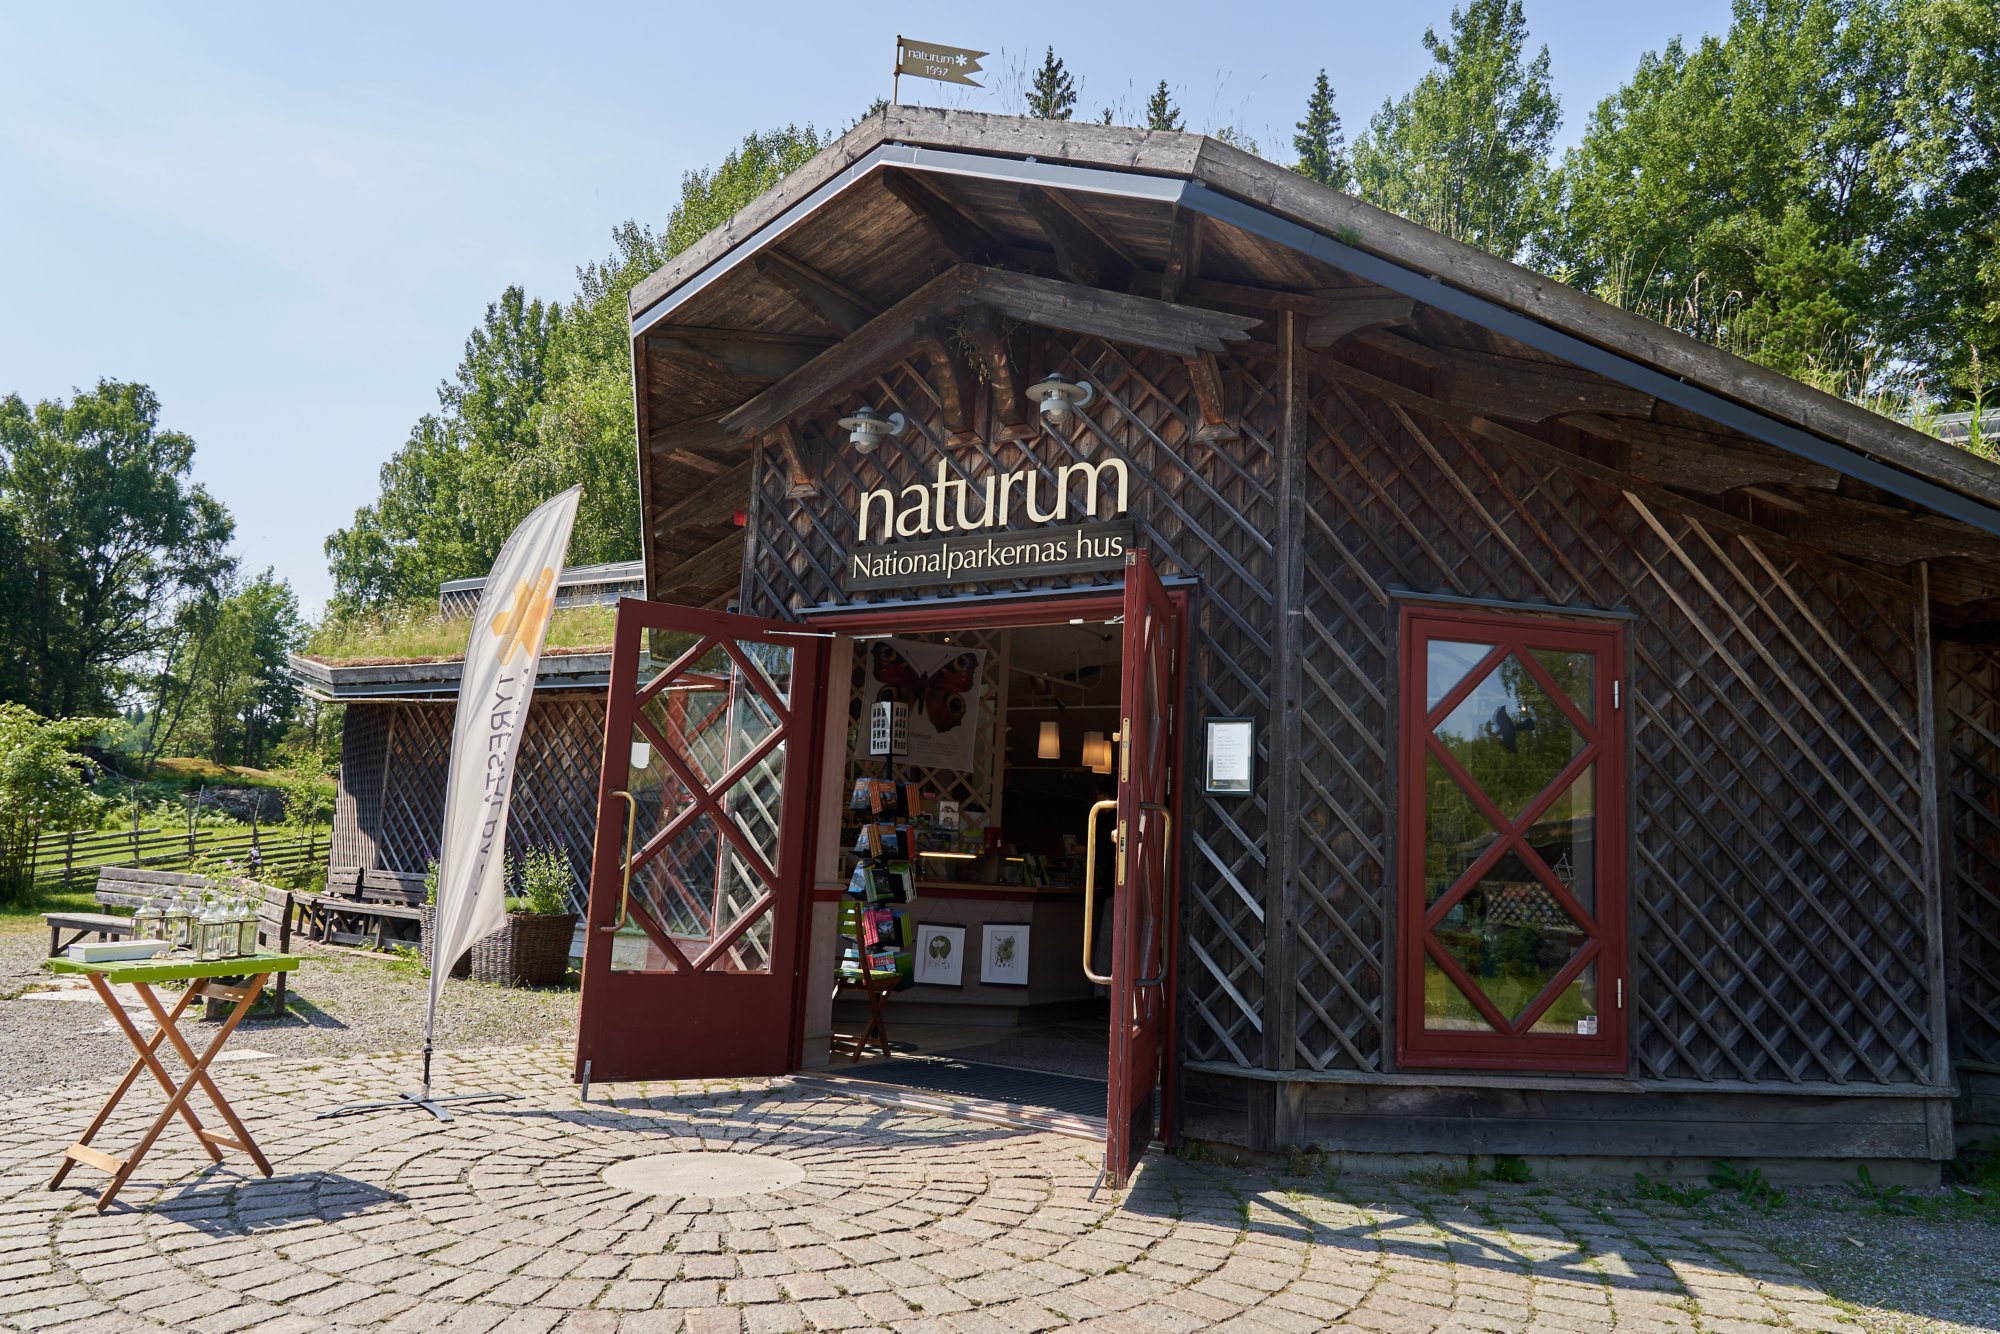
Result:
pixel 1096 753
pixel 1048 746
pixel 1060 397
pixel 868 428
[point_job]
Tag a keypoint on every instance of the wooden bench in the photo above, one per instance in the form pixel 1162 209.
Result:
pixel 368 907
pixel 130 888
pixel 340 920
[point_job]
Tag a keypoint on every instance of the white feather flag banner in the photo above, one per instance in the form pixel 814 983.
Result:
pixel 501 660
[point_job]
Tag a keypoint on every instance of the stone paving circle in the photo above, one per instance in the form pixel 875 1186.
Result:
pixel 512 1218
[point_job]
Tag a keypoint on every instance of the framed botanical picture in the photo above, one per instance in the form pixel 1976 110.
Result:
pixel 1003 954
pixel 940 956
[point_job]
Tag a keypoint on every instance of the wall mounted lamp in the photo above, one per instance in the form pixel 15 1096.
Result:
pixel 868 428
pixel 1060 397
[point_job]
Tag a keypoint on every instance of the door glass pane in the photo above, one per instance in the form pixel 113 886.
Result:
pixel 1445 1007
pixel 1510 736
pixel 1446 661
pixel 674 888
pixel 1576 673
pixel 1575 1010
pixel 1565 838
pixel 1510 935
pixel 1455 835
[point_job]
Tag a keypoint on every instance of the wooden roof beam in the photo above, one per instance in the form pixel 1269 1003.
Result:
pixel 1704 461
pixel 1493 384
pixel 960 236
pixel 1206 377
pixel 841 309
pixel 1085 253
pixel 703 577
pixel 952 381
pixel 758 356
pixel 1181 331
pixel 1183 254
pixel 711 500
pixel 1017 418
pixel 1350 311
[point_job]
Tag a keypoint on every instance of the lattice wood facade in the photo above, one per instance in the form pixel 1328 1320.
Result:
pixel 389 809
pixel 1330 414
pixel 1779 881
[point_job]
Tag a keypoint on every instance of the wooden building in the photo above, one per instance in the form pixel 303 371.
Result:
pixel 1625 779
pixel 396 741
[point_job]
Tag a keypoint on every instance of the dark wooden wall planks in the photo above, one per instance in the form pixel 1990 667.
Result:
pixel 389 811
pixel 1779 876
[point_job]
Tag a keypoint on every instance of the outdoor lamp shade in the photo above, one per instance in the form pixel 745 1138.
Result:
pixel 1049 745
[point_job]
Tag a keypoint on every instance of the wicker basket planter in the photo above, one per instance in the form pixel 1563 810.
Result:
pixel 463 967
pixel 531 950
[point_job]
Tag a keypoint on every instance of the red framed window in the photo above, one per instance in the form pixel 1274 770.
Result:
pixel 1512 843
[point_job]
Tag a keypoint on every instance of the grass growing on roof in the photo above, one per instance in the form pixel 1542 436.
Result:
pixel 418 632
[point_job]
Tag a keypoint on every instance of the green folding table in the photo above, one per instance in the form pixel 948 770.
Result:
pixel 202 976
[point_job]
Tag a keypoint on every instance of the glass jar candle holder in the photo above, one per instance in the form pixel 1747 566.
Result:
pixel 215 936
pixel 149 921
pixel 175 922
pixel 246 926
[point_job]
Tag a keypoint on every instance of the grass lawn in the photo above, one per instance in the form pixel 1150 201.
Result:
pixel 419 633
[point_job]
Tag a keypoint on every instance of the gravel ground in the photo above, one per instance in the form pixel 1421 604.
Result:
pixel 339 1004
pixel 1915 1264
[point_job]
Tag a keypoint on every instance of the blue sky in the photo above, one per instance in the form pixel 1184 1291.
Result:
pixel 286 218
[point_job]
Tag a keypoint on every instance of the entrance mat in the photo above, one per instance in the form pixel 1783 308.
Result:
pixel 1077 1050
pixel 987 1083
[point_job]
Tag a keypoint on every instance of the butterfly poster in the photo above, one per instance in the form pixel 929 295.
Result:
pixel 939 683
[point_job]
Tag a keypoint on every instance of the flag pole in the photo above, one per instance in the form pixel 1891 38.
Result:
pixel 896 74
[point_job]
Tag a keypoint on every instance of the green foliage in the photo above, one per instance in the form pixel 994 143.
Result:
pixel 309 791
pixel 1512 1168
pixel 224 689
pixel 1748 1183
pixel 541 401
pixel 1668 1192
pixel 1321 147
pixel 1236 137
pixel 1464 152
pixel 418 631
pixel 1052 95
pixel 431 883
pixel 1448 1178
pixel 42 787
pixel 546 881
pixel 1161 113
pixel 1817 190
pixel 102 538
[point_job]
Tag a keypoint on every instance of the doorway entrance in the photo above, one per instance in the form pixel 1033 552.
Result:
pixel 1002 892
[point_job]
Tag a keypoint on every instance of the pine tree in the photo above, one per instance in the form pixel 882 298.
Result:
pixel 1161 113
pixel 1321 148
pixel 1053 96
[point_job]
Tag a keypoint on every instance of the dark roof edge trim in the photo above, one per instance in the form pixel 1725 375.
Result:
pixel 1199 197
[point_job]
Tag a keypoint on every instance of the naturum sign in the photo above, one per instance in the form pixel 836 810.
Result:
pixel 959 530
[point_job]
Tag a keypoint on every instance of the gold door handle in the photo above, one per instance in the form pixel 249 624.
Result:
pixel 1090 891
pixel 625 870
pixel 1166 846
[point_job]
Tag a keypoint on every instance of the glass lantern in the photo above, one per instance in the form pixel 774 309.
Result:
pixel 174 922
pixel 216 934
pixel 149 921
pixel 246 925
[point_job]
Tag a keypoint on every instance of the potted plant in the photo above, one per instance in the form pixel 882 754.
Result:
pixel 532 949
pixel 461 966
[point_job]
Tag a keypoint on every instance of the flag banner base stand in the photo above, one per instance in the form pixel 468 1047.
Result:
pixel 421 1099
pixel 435 1106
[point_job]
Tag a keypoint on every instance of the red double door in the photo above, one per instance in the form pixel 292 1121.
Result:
pixel 700 896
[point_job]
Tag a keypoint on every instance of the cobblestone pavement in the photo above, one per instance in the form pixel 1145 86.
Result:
pixel 502 1221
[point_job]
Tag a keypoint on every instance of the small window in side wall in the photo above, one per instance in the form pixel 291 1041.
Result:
pixel 1511 877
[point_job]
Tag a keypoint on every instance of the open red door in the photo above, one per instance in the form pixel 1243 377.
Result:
pixel 698 887
pixel 1145 901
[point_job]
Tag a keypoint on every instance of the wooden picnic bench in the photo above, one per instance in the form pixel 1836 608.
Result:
pixel 129 888
pixel 367 907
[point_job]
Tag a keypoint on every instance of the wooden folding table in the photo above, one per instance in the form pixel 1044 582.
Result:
pixel 202 976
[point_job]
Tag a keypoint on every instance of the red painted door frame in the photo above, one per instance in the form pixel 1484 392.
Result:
pixel 1512 636
pixel 698 1013
pixel 974 613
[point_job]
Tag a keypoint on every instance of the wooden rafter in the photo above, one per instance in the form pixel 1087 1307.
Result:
pixel 952 380
pixel 1085 252
pixel 1206 378
pixel 1181 330
pixel 839 308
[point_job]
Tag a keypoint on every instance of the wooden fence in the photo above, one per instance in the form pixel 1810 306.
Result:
pixel 71 860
